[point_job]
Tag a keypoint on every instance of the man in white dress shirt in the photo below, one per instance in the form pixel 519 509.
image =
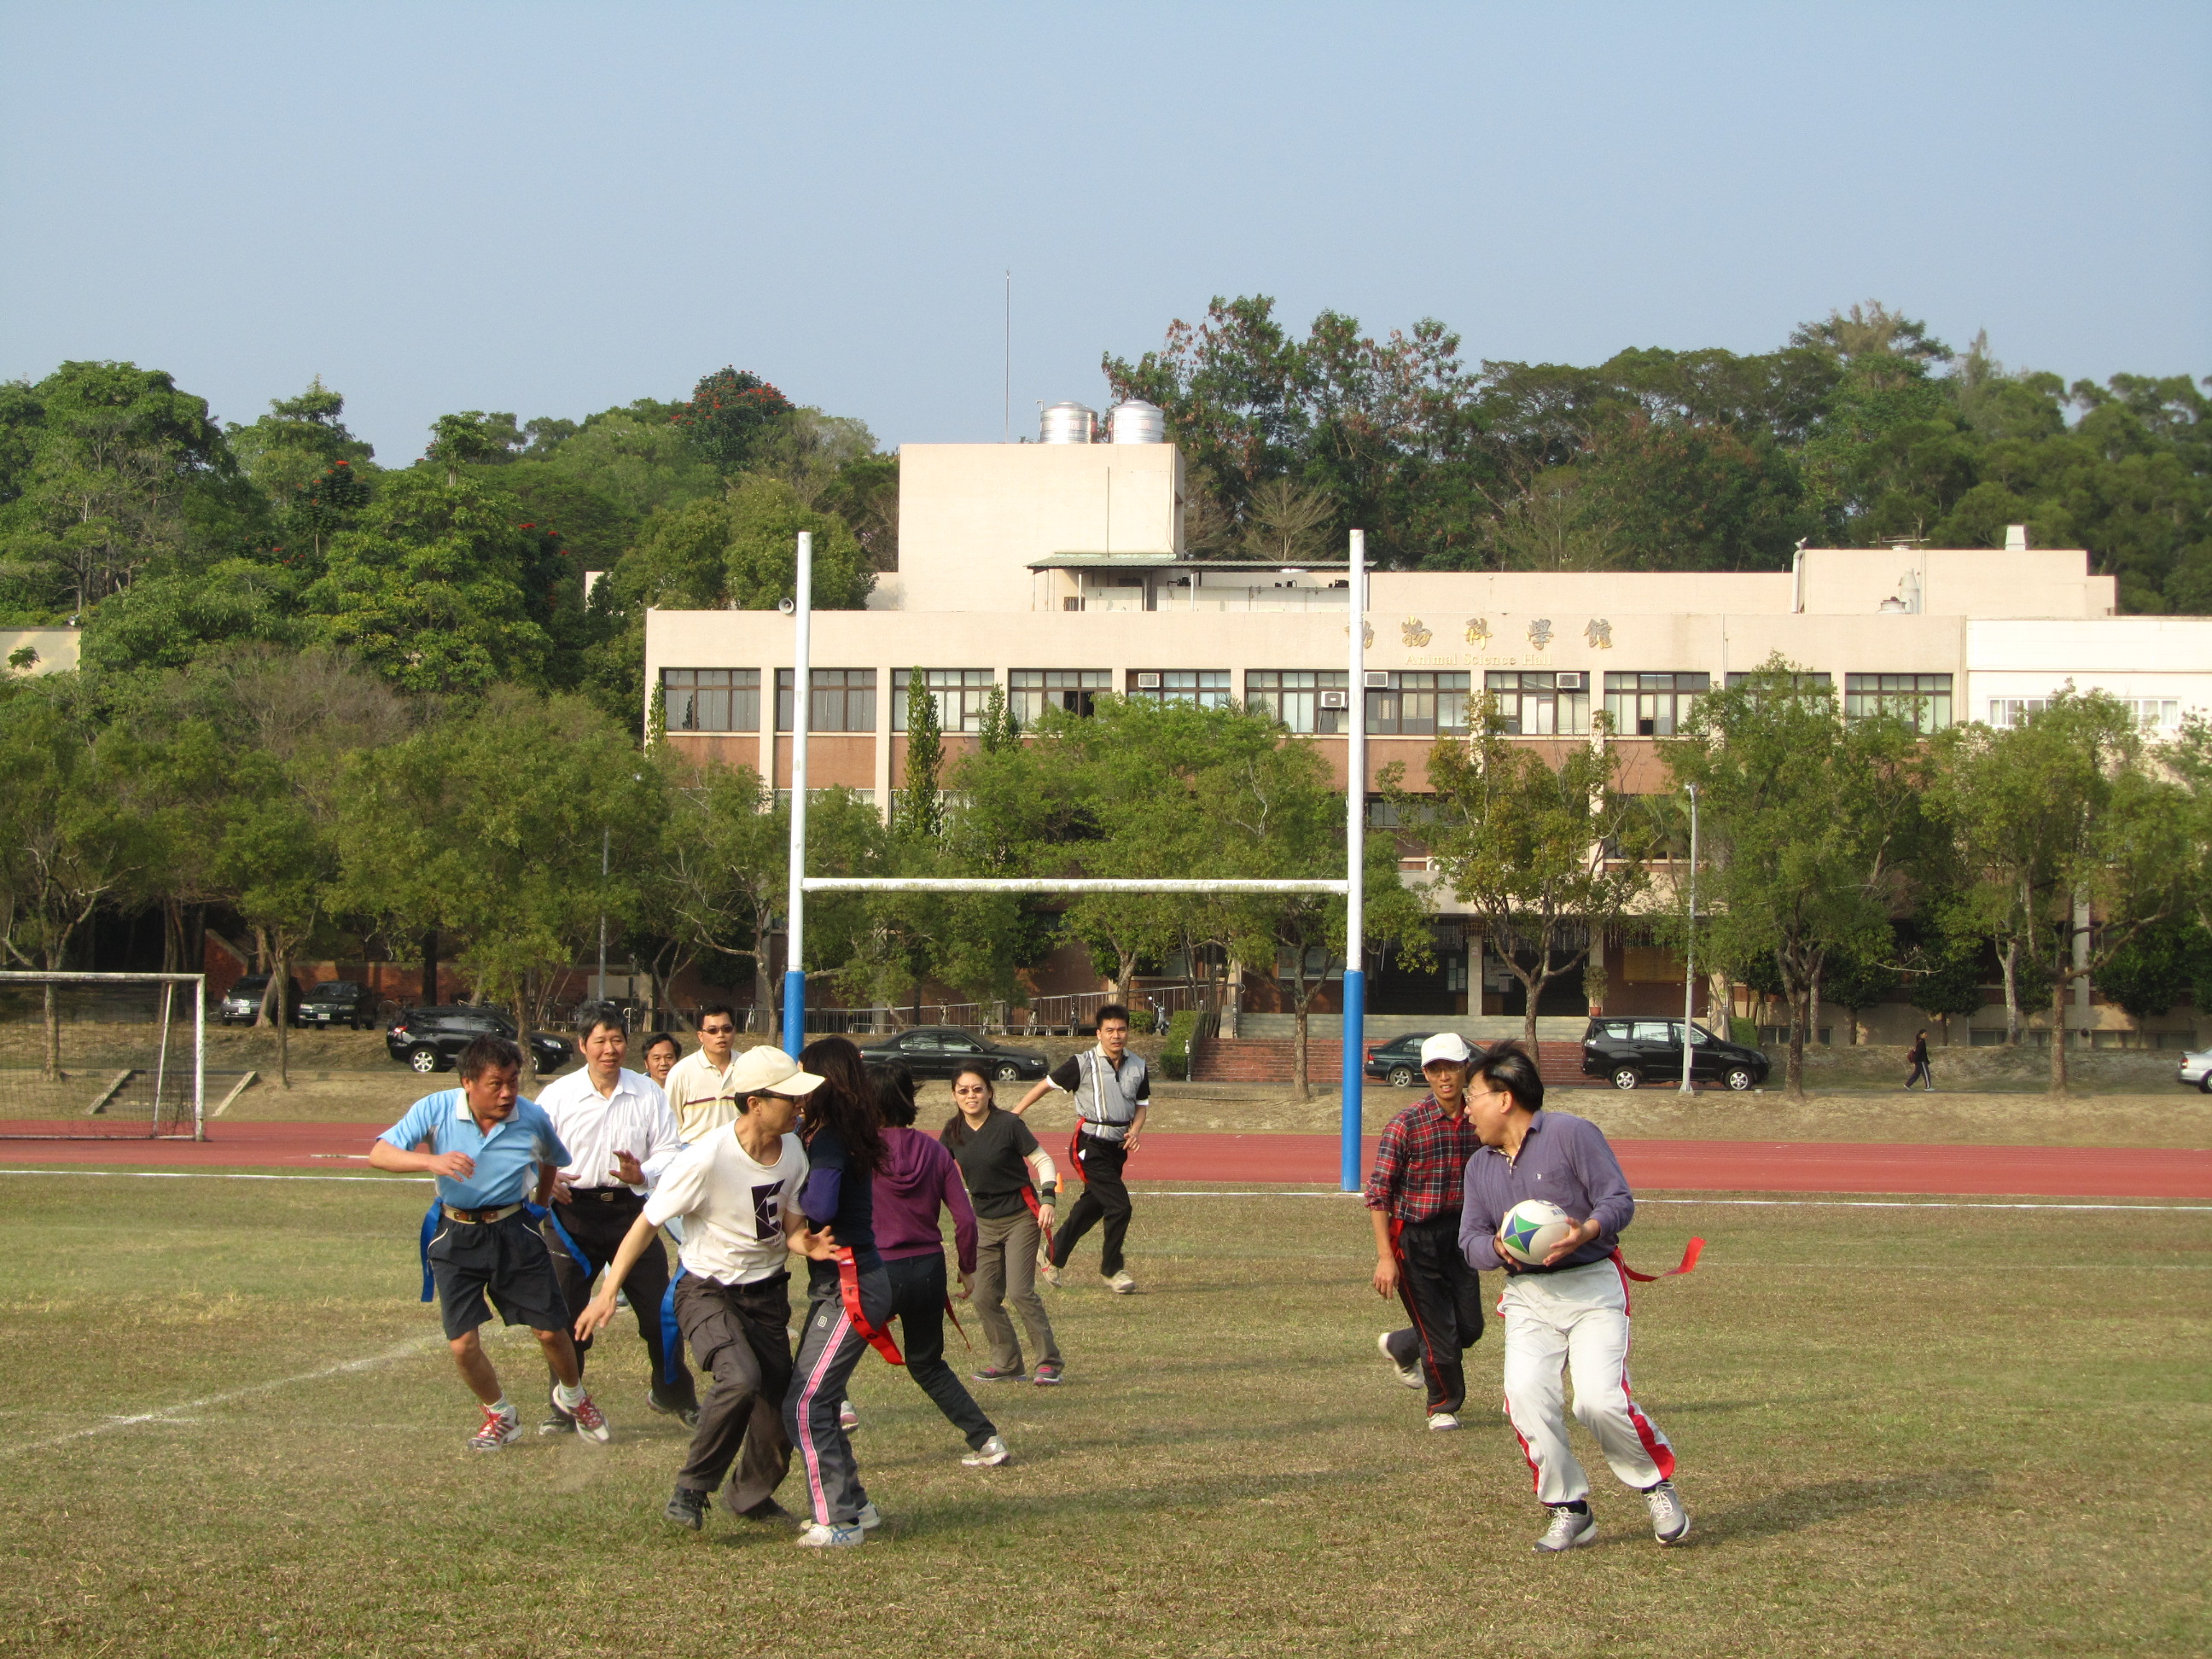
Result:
pixel 623 1134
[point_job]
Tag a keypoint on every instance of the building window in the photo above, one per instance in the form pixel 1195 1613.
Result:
pixel 1532 704
pixel 1924 700
pixel 2006 712
pixel 1652 705
pixel 1818 680
pixel 1310 699
pixel 1030 692
pixel 2155 713
pixel 711 699
pixel 844 700
pixel 1418 703
pixel 1195 687
pixel 961 695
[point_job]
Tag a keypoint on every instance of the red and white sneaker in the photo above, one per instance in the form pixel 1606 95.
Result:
pixel 591 1421
pixel 500 1428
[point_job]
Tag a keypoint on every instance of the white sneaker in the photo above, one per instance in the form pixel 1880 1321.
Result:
pixel 1441 1421
pixel 848 1419
pixel 1121 1283
pixel 1568 1531
pixel 870 1519
pixel 820 1537
pixel 1409 1374
pixel 500 1428
pixel 1670 1522
pixel 1048 1273
pixel 989 1456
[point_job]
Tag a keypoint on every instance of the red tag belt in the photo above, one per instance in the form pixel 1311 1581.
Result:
pixel 1036 1211
pixel 848 1290
pixel 1695 1248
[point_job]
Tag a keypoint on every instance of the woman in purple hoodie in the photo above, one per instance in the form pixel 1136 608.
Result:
pixel 918 1176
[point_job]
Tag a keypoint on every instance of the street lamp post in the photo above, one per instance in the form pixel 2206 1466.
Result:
pixel 1690 947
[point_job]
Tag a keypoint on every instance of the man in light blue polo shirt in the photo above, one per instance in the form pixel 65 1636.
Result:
pixel 491 1151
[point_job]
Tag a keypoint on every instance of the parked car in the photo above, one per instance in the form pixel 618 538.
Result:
pixel 938 1051
pixel 431 1039
pixel 241 1003
pixel 2196 1068
pixel 1629 1052
pixel 1399 1060
pixel 337 1002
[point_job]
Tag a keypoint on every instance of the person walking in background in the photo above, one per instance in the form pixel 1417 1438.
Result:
pixel 1921 1072
pixel 1113 1091
pixel 662 1051
pixel 918 1179
pixel 998 1156
pixel 699 1090
pixel 1413 1199
pixel 848 1298
pixel 622 1135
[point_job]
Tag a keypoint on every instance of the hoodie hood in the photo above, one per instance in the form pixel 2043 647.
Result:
pixel 908 1171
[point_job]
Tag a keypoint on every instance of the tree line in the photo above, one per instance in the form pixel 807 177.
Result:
pixel 1860 429
pixel 1857 860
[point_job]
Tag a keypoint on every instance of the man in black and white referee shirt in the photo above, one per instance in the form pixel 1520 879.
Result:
pixel 1113 1091
pixel 618 1125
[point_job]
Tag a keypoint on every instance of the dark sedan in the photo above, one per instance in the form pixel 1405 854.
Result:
pixel 431 1039
pixel 337 1002
pixel 939 1051
pixel 1398 1061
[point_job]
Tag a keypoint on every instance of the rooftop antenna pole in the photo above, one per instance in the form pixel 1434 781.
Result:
pixel 1355 841
pixel 1007 426
pixel 802 688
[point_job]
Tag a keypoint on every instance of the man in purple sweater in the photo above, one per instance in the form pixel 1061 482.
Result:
pixel 1569 1315
pixel 917 1178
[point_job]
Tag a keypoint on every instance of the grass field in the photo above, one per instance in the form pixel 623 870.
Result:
pixel 1924 1431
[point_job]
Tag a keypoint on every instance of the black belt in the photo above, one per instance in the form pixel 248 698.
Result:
pixel 604 1194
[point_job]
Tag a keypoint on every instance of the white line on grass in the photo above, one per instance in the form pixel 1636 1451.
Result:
pixel 209 1174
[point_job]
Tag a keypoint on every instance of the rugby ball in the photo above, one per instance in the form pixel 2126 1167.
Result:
pixel 1532 1229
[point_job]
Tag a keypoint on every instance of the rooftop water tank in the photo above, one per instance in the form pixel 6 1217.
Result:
pixel 1068 424
pixel 1136 422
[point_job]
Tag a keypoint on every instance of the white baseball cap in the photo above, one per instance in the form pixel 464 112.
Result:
pixel 767 1071
pixel 1446 1045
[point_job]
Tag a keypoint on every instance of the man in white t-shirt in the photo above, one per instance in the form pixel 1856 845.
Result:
pixel 731 1188
pixel 699 1089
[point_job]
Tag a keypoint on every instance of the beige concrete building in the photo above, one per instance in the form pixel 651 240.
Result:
pixel 1058 570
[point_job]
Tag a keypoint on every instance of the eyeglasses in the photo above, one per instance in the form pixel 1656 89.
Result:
pixel 718 1030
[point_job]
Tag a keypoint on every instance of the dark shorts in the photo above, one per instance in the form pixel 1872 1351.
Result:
pixel 505 1259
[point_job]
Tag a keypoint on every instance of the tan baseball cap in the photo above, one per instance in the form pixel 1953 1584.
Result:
pixel 766 1071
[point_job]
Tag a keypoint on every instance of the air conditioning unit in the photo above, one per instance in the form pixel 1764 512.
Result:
pixel 1148 682
pixel 1571 682
pixel 1336 699
pixel 1378 679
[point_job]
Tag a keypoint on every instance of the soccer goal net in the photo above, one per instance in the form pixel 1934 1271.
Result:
pixel 102 1056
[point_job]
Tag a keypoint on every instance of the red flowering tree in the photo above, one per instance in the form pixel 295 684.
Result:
pixel 730 411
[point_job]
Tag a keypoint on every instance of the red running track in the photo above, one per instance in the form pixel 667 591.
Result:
pixel 1682 1165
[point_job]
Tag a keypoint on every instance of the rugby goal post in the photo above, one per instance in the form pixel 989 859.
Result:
pixel 102 1057
pixel 1351 885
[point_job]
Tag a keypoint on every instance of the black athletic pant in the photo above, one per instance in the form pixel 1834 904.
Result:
pixel 1105 1198
pixel 918 1302
pixel 741 1336
pixel 597 1219
pixel 1444 1297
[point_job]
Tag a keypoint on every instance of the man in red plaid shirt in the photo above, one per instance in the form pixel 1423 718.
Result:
pixel 1413 1198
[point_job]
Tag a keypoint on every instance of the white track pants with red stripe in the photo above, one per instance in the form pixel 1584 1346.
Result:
pixel 1576 1321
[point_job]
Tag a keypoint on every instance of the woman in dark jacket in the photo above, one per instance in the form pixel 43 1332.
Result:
pixel 917 1180
pixel 1921 1072
pixel 998 1155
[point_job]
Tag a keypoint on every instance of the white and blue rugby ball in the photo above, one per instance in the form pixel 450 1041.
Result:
pixel 1532 1229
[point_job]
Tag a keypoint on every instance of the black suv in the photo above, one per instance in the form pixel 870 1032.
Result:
pixel 1398 1061
pixel 337 1002
pixel 1627 1052
pixel 939 1051
pixel 431 1039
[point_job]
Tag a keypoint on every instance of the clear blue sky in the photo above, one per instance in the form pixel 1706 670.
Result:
pixel 551 209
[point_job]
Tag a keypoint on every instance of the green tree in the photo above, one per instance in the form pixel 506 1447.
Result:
pixel 1545 852
pixel 313 471
pixel 731 412
pixel 1810 825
